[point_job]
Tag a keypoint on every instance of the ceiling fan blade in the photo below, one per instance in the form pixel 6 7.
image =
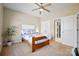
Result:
pixel 37 4
pixel 35 9
pixel 41 4
pixel 47 5
pixel 46 9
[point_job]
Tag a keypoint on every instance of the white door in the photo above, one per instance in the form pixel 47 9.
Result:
pixel 69 30
pixel 45 28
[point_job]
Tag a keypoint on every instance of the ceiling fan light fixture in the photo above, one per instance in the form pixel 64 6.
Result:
pixel 41 9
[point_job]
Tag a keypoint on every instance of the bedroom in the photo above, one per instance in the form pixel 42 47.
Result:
pixel 23 18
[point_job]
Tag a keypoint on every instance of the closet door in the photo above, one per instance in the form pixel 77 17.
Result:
pixel 69 30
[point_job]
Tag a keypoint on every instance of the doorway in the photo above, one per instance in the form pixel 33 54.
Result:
pixel 57 29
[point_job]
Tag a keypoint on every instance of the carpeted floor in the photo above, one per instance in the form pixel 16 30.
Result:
pixel 23 49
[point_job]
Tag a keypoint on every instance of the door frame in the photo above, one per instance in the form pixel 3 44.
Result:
pixel 56 20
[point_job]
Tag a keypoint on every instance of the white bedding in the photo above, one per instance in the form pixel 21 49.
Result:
pixel 29 38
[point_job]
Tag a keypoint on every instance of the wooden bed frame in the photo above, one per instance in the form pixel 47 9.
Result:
pixel 36 46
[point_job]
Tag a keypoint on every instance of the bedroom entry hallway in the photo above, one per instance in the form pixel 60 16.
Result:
pixel 23 49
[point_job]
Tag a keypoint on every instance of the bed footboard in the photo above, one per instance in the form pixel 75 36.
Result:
pixel 36 46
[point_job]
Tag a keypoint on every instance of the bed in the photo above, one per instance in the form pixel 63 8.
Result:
pixel 36 40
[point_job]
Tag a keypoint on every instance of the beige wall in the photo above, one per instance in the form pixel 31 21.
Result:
pixel 15 18
pixel 1 25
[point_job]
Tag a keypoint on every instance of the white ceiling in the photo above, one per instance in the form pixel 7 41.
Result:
pixel 27 7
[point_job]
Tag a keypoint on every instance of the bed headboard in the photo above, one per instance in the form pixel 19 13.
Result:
pixel 28 29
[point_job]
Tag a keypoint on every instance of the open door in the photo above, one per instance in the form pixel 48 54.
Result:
pixel 57 29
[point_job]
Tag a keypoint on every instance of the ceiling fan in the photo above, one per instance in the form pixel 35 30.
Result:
pixel 42 7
